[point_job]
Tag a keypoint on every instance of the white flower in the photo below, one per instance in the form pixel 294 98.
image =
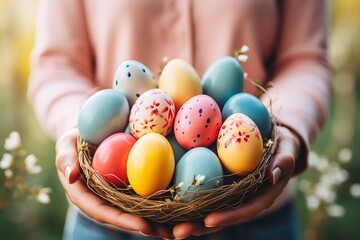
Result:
pixel 9 173
pixel 180 185
pixel 312 202
pixel 244 48
pixel 355 190
pixel 6 161
pixel 312 158
pixel 199 180
pixel 245 74
pixel 177 197
pixel 345 155
pixel 325 193
pixel 13 141
pixel 335 210
pixel 322 164
pixel 243 58
pixel 43 196
pixel 30 164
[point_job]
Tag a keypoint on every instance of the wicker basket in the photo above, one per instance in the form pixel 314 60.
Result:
pixel 163 206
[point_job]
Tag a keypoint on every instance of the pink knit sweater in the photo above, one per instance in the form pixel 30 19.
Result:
pixel 80 44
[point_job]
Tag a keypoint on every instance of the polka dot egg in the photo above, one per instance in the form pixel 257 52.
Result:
pixel 132 78
pixel 197 122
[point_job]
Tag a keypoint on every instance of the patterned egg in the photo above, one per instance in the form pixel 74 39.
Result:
pixel 239 145
pixel 133 78
pixel 153 111
pixel 252 107
pixel 197 122
pixel 180 80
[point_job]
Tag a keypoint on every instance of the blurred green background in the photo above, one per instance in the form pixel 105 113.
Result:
pixel 30 220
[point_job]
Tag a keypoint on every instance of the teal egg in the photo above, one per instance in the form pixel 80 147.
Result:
pixel 252 107
pixel 198 162
pixel 178 150
pixel 103 114
pixel 223 79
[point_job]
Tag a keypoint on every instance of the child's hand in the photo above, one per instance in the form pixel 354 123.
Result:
pixel 280 172
pixel 87 201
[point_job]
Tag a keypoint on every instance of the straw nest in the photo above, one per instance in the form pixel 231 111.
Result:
pixel 165 206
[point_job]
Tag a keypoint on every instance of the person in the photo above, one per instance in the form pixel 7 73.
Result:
pixel 79 45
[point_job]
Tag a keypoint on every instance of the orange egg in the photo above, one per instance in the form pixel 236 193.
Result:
pixel 239 144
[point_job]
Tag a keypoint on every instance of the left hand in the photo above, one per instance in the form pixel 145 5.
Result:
pixel 280 171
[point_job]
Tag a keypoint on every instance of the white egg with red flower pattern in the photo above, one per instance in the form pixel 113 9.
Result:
pixel 153 111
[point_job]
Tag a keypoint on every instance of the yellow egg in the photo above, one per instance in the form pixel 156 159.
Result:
pixel 240 145
pixel 181 81
pixel 151 164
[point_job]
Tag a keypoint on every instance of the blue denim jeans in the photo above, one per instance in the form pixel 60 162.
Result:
pixel 278 225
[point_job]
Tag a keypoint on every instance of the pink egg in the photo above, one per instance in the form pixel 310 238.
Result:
pixel 153 111
pixel 197 122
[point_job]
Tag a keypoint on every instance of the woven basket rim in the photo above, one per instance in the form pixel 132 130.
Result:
pixel 163 207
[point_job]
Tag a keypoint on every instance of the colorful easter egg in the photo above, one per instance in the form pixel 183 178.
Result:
pixel 133 78
pixel 103 114
pixel 239 144
pixel 111 157
pixel 200 169
pixel 153 111
pixel 223 79
pixel 180 80
pixel 151 164
pixel 252 107
pixel 197 122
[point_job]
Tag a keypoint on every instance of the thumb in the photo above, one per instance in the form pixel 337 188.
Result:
pixel 283 163
pixel 66 155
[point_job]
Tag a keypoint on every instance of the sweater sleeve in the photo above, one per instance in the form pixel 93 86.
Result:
pixel 61 73
pixel 302 86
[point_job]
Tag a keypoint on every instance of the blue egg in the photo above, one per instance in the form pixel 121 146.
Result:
pixel 223 79
pixel 103 114
pixel 251 106
pixel 178 150
pixel 198 162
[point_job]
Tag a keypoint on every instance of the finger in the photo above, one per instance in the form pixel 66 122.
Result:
pixel 97 209
pixel 66 155
pixel 284 160
pixel 162 231
pixel 187 229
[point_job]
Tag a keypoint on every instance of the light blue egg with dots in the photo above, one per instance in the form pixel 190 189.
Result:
pixel 103 114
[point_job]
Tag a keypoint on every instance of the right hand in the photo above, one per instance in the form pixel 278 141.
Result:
pixel 88 202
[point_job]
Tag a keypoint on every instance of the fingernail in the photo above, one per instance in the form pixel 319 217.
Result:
pixel 67 172
pixel 144 234
pixel 276 175
pixel 209 226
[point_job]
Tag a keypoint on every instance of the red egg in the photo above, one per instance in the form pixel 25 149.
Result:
pixel 111 156
pixel 197 122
